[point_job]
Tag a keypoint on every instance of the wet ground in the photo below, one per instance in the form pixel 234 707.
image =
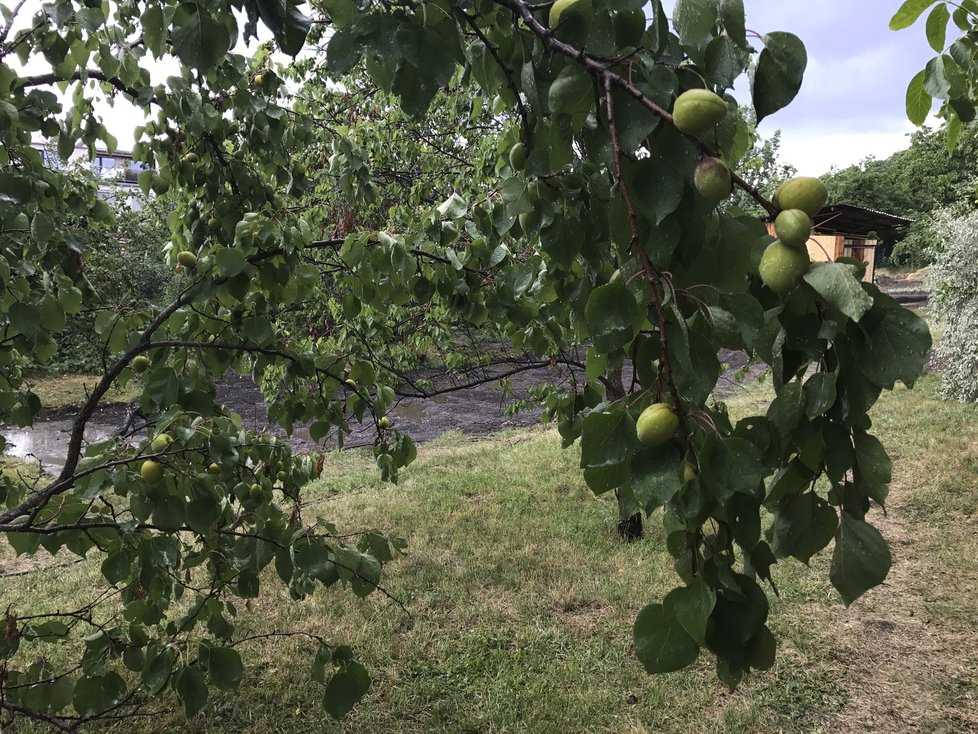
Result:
pixel 474 411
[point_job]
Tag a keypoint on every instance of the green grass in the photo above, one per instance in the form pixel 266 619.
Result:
pixel 520 601
pixel 59 391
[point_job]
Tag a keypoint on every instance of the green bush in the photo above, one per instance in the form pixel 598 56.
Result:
pixel 125 268
pixel 955 283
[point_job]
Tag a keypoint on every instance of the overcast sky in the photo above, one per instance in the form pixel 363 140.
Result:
pixel 851 104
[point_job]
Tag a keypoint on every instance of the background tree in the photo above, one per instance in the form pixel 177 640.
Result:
pixel 622 249
pixel 761 167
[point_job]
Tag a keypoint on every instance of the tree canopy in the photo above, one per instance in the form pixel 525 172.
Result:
pixel 551 175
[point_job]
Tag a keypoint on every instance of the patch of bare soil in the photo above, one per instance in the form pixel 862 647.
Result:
pixel 902 670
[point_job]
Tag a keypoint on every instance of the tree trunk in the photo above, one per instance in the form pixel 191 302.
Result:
pixel 629 526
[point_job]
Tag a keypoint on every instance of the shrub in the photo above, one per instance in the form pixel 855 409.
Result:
pixel 954 280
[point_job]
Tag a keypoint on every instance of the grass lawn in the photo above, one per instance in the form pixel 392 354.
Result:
pixel 520 601
pixel 59 391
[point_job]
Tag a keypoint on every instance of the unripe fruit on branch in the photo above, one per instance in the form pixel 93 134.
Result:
pixel 384 422
pixel 807 194
pixel 161 442
pixel 187 259
pixel 517 157
pixel 282 476
pixel 151 471
pixel 712 179
pixel 697 111
pixel 214 469
pixel 570 20
pixel 140 363
pixel 782 266
pixel 793 227
pixel 257 80
pixel 687 472
pixel 657 424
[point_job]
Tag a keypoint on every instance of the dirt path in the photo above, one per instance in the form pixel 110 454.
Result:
pixel 904 669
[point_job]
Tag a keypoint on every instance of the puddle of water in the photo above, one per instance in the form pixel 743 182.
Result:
pixel 47 442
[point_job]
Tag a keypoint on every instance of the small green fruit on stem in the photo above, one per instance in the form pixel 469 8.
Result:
pixel 187 259
pixel 657 424
pixel 151 471
pixel 140 363
pixel 782 266
pixel 793 227
pixel 807 194
pixel 698 110
pixel 712 179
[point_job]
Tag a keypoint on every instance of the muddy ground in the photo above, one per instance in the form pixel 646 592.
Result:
pixel 476 411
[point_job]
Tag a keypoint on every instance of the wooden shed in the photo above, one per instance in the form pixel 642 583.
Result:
pixel 842 230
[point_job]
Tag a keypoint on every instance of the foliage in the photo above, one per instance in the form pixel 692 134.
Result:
pixel 950 76
pixel 954 279
pixel 761 167
pixel 125 271
pixel 893 185
pixel 618 254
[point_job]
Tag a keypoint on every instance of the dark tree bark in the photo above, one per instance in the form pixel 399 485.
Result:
pixel 629 526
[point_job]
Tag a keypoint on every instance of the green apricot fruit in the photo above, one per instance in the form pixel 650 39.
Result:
pixel 384 422
pixel 629 27
pixel 698 110
pixel 782 266
pixel 570 20
pixel 657 424
pixel 712 179
pixel 191 157
pixel 214 469
pixel 807 194
pixel 140 363
pixel 517 157
pixel 161 442
pixel 151 471
pixel 688 472
pixel 255 490
pixel 187 259
pixel 793 227
pixel 282 476
pixel 530 222
pixel 352 384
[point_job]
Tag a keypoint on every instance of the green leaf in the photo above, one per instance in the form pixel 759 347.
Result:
pixel 937 27
pixel 779 73
pixel 157 672
pixel 191 689
pixel 861 559
pixel 572 92
pixel 611 314
pixel 803 525
pixel 655 476
pixel 820 393
pixel 874 469
pixel 287 22
pixel 345 689
pixel 661 643
pixel 695 20
pixel 730 466
pixel 725 61
pixel 95 694
pixel 692 605
pixel 607 438
pixel 908 13
pixel 199 40
pixel 918 100
pixel 229 262
pixel 839 285
pixel 225 668
pixel 732 17
pixel 894 349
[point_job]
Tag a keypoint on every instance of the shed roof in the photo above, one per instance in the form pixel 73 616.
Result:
pixel 854 220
